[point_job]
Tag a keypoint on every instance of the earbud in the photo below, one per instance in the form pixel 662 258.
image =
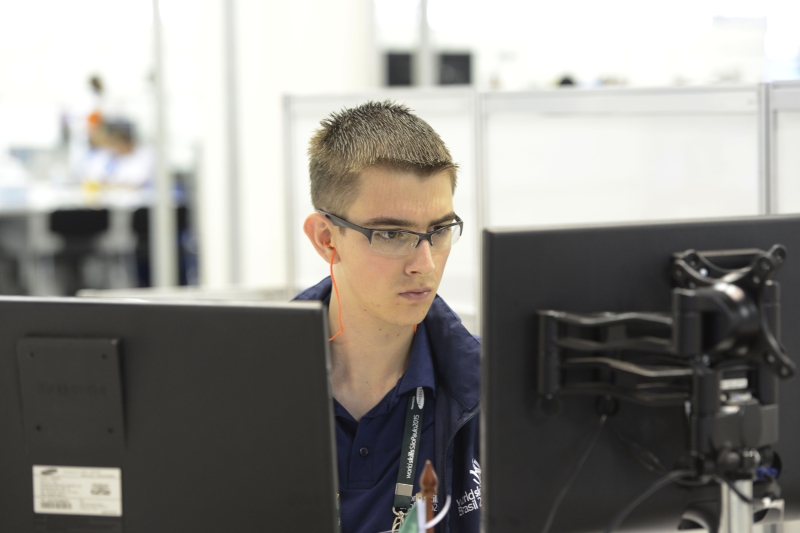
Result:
pixel 327 242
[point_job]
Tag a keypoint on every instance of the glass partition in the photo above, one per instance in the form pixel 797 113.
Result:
pixel 584 156
pixel 785 114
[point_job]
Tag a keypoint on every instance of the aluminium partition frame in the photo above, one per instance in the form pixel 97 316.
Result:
pixel 232 133
pixel 289 194
pixel 163 245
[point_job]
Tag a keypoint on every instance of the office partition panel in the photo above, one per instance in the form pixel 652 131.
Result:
pixel 784 116
pixel 600 155
pixel 452 114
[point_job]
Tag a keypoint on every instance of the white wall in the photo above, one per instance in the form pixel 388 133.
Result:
pixel 523 45
pixel 48 50
pixel 282 47
pixel 214 228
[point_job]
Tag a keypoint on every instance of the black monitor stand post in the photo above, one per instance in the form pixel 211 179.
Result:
pixel 720 336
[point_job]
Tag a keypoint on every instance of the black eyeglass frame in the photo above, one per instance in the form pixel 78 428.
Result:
pixel 367 232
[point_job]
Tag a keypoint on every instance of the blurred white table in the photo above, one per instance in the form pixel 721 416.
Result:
pixel 25 234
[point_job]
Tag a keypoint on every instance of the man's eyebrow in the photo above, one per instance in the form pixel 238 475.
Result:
pixel 389 221
pixel 450 217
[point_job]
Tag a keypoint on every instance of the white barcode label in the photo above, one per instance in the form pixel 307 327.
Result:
pixel 77 490
pixel 56 504
pixel 733 384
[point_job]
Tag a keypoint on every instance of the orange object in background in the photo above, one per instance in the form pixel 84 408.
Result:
pixel 94 119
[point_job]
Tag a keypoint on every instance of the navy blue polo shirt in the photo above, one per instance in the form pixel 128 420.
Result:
pixel 369 450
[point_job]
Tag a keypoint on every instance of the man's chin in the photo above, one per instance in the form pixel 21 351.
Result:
pixel 410 317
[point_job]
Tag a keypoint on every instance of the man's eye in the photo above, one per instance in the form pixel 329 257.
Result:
pixel 388 235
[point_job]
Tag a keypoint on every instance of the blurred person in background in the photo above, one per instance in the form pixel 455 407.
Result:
pixel 86 134
pixel 115 159
pixel 131 164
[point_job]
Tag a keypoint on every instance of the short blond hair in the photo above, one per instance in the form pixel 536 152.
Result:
pixel 374 134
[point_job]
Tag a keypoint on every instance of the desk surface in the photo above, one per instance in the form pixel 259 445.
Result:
pixel 23 200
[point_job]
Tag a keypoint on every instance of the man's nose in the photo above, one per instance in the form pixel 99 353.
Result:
pixel 422 262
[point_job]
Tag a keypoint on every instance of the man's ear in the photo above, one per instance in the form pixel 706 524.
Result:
pixel 319 231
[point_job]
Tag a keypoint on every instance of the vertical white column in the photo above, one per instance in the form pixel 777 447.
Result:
pixel 289 190
pixel 231 88
pixel 425 62
pixel 254 52
pixel 767 203
pixel 481 202
pixel 212 186
pixel 163 233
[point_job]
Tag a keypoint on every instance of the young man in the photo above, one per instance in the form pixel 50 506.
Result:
pixel 405 373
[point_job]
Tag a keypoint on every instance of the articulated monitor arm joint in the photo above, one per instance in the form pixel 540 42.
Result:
pixel 717 352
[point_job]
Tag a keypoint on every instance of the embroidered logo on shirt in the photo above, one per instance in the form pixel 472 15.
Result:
pixel 476 473
pixel 471 500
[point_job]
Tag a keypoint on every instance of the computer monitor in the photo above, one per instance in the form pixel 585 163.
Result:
pixel 531 446
pixel 135 417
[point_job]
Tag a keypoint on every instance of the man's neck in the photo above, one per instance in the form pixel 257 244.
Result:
pixel 367 359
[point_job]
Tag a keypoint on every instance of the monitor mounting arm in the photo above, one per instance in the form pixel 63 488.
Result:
pixel 717 352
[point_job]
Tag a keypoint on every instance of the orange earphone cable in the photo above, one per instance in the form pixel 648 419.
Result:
pixel 338 301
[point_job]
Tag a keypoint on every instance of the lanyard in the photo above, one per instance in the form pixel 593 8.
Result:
pixel 404 489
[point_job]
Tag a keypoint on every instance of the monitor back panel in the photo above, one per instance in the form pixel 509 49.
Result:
pixel 529 456
pixel 218 419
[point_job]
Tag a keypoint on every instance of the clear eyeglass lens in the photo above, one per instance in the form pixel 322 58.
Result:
pixel 446 238
pixel 400 243
pixel 393 242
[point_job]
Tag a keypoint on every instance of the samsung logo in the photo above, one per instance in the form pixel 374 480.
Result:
pixel 65 389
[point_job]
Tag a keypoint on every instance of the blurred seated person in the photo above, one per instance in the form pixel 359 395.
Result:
pixel 131 165
pixel 114 158
pixel 92 159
